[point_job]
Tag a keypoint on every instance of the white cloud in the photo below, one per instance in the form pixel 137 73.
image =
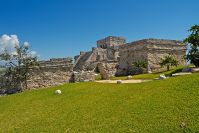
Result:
pixel 8 43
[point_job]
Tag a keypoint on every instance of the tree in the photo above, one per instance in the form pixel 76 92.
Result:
pixel 168 61
pixel 140 64
pixel 193 41
pixel 18 65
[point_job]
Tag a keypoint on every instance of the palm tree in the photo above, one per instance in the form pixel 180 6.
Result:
pixel 168 61
pixel 141 64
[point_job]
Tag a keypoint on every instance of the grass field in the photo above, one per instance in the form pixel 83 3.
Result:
pixel 157 106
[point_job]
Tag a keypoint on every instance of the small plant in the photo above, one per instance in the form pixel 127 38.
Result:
pixel 140 64
pixel 168 61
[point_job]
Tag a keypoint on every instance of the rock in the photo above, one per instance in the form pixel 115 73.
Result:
pixel 129 77
pixel 162 76
pixel 12 91
pixel 58 92
pixel 2 91
pixel 82 76
pixel 103 72
pixel 119 82
pixel 183 125
pixel 149 71
pixel 186 69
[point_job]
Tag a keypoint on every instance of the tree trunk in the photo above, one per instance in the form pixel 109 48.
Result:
pixel 167 67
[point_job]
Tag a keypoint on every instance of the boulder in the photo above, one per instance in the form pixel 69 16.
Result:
pixel 162 76
pixel 12 91
pixel 119 81
pixel 186 69
pixel 82 76
pixel 57 92
pixel 129 77
pixel 103 72
pixel 2 91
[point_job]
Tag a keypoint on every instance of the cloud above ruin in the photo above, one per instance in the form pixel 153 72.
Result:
pixel 8 43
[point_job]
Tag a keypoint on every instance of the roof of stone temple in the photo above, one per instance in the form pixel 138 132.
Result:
pixel 157 41
pixel 112 37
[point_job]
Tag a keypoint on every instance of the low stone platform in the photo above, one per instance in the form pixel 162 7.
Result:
pixel 181 74
pixel 196 69
pixel 123 81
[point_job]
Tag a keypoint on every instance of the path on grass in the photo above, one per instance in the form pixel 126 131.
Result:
pixel 123 81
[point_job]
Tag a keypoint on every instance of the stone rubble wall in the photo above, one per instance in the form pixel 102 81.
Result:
pixel 82 76
pixel 52 72
pixel 103 71
pixel 40 78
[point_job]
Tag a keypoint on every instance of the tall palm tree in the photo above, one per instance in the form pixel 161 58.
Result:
pixel 168 61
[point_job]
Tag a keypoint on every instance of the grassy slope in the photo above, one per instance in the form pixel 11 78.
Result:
pixel 158 106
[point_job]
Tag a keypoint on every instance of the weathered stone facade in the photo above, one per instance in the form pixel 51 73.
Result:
pixel 82 76
pixel 107 51
pixel 53 72
pixel 110 41
pixel 114 49
pixel 112 56
pixel 151 51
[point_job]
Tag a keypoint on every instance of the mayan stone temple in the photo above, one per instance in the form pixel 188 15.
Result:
pixel 112 57
pixel 118 56
pixel 106 52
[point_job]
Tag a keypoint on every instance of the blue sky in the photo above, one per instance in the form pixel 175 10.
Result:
pixel 60 28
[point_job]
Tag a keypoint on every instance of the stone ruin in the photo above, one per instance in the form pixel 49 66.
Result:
pixel 103 71
pixel 118 56
pixel 112 56
pixel 106 52
pixel 52 72
pixel 57 71
pixel 151 51
pixel 82 76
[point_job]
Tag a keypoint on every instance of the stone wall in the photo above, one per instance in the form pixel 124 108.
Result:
pixel 82 76
pixel 110 41
pixel 52 72
pixel 45 78
pixel 114 49
pixel 151 51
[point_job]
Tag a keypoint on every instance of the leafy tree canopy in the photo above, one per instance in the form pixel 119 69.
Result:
pixel 17 64
pixel 168 61
pixel 193 41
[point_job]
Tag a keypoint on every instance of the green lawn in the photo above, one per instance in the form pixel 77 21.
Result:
pixel 157 106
